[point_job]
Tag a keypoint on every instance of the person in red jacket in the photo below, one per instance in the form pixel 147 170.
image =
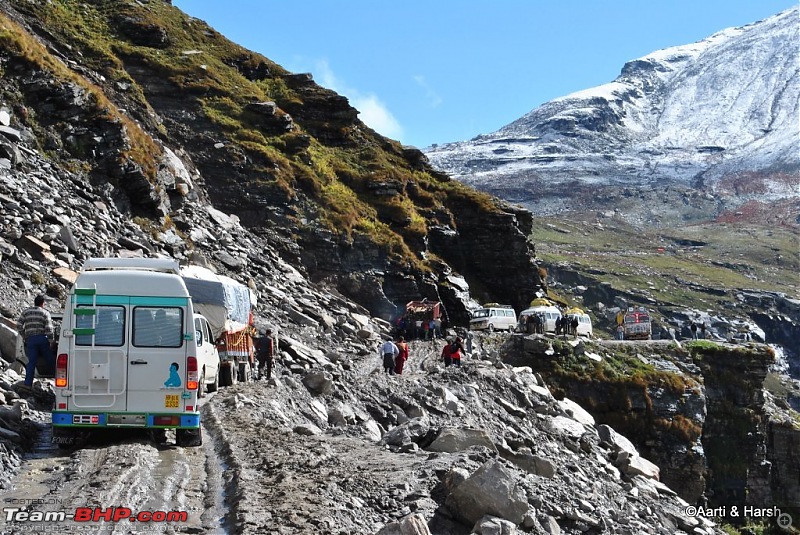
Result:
pixel 456 350
pixel 446 355
pixel 402 356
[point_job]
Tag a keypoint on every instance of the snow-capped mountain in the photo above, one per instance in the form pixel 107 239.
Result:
pixel 714 124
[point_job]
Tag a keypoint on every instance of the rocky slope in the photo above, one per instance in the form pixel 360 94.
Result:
pixel 686 133
pixel 157 111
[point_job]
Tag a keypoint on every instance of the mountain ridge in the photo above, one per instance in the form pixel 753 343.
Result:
pixel 644 130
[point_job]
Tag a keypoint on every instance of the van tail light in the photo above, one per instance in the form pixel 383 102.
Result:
pixel 61 370
pixel 192 377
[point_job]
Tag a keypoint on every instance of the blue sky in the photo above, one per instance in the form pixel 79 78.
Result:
pixel 437 71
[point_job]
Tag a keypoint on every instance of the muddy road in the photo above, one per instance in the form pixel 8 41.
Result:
pixel 253 473
pixel 116 473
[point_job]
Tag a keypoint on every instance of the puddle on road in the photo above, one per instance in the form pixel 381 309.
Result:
pixel 216 512
pixel 34 486
pixel 186 478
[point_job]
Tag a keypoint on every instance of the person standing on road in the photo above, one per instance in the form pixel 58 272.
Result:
pixel 446 354
pixel 36 328
pixel 402 355
pixel 574 325
pixel 265 353
pixel 389 351
pixel 703 331
pixel 693 328
pixel 456 350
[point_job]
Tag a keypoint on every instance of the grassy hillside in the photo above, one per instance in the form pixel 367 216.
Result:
pixel 696 265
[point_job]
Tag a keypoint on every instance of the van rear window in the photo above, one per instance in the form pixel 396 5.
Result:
pixel 109 327
pixel 157 327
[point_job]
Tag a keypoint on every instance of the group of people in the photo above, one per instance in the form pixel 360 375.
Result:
pixel 698 331
pixel 395 355
pixel 567 325
pixel 534 324
pixel 410 328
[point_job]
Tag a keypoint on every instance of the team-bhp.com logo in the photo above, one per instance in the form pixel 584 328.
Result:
pixel 94 514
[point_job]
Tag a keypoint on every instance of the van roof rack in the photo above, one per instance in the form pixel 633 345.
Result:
pixel 165 265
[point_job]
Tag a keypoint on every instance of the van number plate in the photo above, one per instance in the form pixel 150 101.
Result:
pixel 171 401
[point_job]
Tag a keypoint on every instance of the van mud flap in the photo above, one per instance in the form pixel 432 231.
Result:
pixel 66 438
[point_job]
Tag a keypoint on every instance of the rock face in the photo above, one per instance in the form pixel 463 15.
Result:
pixel 682 410
pixel 639 145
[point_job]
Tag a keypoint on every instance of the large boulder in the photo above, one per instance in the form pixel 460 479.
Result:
pixel 411 525
pixel 451 440
pixel 491 490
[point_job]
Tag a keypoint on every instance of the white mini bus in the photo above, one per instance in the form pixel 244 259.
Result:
pixel 494 317
pixel 128 352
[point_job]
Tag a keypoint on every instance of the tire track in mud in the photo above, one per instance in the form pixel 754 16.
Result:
pixel 123 468
pixel 225 472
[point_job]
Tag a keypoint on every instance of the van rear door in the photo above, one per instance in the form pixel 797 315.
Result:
pixel 98 346
pixel 157 355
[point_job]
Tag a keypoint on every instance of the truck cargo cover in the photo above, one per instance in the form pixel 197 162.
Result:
pixel 224 302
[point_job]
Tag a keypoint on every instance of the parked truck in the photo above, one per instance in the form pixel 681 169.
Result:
pixel 227 305
pixel 636 324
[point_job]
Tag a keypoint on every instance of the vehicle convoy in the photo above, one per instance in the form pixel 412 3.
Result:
pixel 636 323
pixel 129 354
pixel 226 304
pixel 493 317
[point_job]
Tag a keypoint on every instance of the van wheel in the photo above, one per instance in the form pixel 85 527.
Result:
pixel 159 436
pixel 201 386
pixel 213 386
pixel 188 438
pixel 491 328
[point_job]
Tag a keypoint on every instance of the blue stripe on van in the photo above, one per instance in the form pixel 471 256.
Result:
pixel 160 301
pixel 102 299
pixel 132 300
pixel 64 419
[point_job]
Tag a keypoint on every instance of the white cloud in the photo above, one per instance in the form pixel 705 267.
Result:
pixel 372 111
pixel 433 97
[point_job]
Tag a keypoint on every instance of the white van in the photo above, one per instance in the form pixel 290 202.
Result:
pixel 550 314
pixel 584 323
pixel 207 355
pixel 494 318
pixel 128 354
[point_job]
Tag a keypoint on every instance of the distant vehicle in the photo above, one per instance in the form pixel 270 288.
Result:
pixel 207 355
pixel 584 321
pixel 549 313
pixel 636 324
pixel 494 317
pixel 128 354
